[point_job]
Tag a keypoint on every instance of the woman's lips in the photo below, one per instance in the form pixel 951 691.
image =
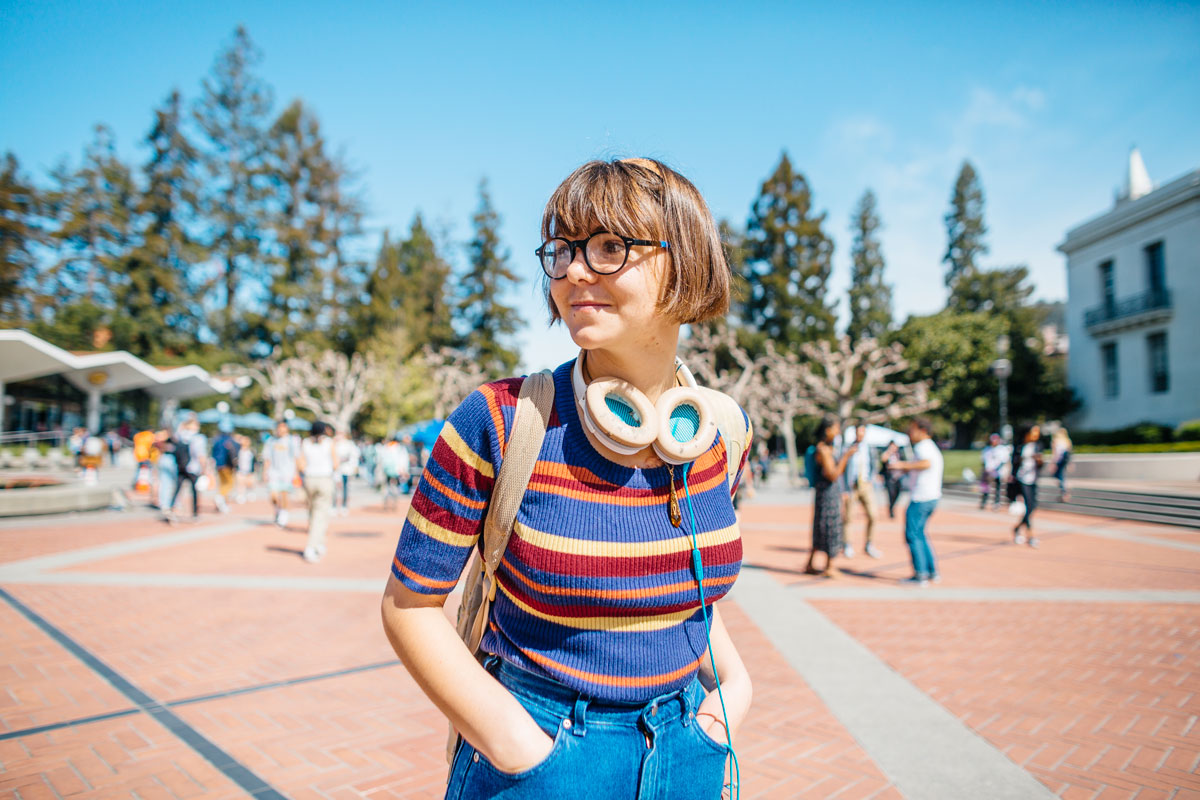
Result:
pixel 588 306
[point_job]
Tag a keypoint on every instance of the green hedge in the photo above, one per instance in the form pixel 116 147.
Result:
pixel 1141 433
pixel 1163 447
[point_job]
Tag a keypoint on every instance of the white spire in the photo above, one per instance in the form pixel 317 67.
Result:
pixel 1137 180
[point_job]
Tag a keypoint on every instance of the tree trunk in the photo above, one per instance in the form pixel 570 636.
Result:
pixel 789 444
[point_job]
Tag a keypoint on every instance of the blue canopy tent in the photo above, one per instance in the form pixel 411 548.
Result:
pixel 424 432
pixel 255 420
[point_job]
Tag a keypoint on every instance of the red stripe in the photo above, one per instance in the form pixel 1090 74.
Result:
pixel 447 519
pixel 577 610
pixel 589 566
pixel 459 470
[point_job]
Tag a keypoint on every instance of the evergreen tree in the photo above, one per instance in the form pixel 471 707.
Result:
pixel 93 210
pixel 299 170
pixel 489 277
pixel 232 114
pixel 158 287
pixel 870 297
pixel 344 272
pixel 964 227
pixel 788 261
pixel 409 290
pixel 19 233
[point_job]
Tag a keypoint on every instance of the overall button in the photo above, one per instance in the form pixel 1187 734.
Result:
pixel 475 758
pixel 567 723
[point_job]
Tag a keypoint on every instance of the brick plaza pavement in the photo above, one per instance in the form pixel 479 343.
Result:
pixel 209 660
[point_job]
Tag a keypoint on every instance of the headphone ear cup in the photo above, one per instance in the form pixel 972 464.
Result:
pixel 686 425
pixel 622 413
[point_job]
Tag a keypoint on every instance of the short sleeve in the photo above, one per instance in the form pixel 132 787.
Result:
pixel 448 508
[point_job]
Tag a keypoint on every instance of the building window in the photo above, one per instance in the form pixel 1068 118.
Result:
pixel 1108 352
pixel 1108 287
pixel 1156 276
pixel 1156 348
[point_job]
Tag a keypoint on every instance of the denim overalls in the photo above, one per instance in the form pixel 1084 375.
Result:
pixel 654 751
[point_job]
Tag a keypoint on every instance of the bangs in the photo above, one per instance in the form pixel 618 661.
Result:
pixel 618 197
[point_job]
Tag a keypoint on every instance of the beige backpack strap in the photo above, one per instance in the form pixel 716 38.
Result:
pixel 534 404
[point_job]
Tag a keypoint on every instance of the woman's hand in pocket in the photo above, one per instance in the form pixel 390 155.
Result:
pixel 528 747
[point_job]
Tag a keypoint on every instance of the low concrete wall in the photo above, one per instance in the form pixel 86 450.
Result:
pixel 54 499
pixel 1173 467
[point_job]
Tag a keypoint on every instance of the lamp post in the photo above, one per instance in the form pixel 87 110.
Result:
pixel 1002 368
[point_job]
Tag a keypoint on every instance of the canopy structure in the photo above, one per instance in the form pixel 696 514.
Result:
pixel 424 432
pixel 877 436
pixel 24 356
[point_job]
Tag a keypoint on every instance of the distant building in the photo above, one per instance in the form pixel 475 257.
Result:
pixel 1133 305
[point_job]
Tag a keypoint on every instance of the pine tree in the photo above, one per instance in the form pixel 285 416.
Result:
pixel 788 261
pixel 233 113
pixel 489 277
pixel 93 209
pixel 19 233
pixel 964 227
pixel 870 297
pixel 344 272
pixel 298 170
pixel 159 315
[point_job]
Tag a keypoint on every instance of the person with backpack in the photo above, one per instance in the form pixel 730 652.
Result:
pixel 191 455
pixel 225 450
pixel 597 500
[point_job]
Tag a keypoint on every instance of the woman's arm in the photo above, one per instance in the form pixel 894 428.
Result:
pixel 735 684
pixel 833 470
pixel 486 713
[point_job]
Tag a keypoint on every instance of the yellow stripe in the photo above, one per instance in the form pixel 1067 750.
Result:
pixel 623 624
pixel 435 531
pixel 465 453
pixel 602 549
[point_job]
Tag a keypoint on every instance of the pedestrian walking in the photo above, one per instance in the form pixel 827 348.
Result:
pixel 1060 447
pixel 992 475
pixel 143 456
pixel 858 487
pixel 593 649
pixel 348 459
pixel 191 455
pixel 168 470
pixel 245 469
pixel 318 464
pixel 1027 463
pixel 893 481
pixel 279 465
pixel 393 463
pixel 925 487
pixel 827 531
pixel 225 450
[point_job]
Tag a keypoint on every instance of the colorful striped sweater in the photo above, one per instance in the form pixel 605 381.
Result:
pixel 596 589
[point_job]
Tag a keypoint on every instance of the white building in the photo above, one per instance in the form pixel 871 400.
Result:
pixel 1133 305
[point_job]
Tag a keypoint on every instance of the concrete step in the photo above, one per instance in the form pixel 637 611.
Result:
pixel 1179 510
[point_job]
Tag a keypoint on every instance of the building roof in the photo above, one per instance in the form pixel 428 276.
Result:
pixel 1130 212
pixel 24 356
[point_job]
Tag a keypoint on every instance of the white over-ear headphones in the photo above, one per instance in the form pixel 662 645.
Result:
pixel 680 426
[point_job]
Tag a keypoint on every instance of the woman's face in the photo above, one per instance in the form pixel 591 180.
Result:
pixel 617 312
pixel 1035 433
pixel 832 432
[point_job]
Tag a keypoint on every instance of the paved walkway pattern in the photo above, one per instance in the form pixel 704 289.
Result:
pixel 209 660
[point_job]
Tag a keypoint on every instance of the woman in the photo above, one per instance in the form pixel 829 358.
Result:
pixel 318 463
pixel 893 481
pixel 1027 462
pixel 596 637
pixel 1060 444
pixel 191 458
pixel 827 503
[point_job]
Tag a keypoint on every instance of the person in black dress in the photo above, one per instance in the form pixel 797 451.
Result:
pixel 827 503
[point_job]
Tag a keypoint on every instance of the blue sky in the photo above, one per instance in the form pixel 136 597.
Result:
pixel 426 99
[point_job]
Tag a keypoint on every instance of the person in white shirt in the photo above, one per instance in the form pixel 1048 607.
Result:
pixel 318 464
pixel 348 457
pixel 995 459
pixel 858 483
pixel 925 487
pixel 279 466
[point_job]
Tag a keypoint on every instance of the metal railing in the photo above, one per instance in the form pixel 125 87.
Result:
pixel 1153 300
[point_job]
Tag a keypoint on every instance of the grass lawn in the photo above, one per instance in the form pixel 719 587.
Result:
pixel 955 460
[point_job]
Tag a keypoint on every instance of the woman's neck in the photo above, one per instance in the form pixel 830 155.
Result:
pixel 652 371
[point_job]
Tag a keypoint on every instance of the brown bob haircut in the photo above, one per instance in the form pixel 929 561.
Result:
pixel 644 198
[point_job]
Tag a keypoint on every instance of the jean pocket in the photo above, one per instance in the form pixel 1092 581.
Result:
pixel 718 746
pixel 560 744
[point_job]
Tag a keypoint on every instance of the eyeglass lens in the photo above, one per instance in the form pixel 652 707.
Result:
pixel 605 253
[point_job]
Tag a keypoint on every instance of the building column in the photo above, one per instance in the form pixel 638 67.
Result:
pixel 3 406
pixel 93 411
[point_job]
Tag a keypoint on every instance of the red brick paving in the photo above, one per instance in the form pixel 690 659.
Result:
pixel 1122 675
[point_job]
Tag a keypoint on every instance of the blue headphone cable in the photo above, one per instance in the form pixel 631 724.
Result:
pixel 698 569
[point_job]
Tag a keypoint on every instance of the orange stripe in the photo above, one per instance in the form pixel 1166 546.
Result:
pixel 615 594
pixel 489 392
pixel 613 680
pixel 581 477
pixel 453 495
pixel 421 579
